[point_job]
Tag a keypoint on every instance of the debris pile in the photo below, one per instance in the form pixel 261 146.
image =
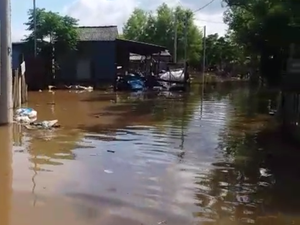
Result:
pixel 28 116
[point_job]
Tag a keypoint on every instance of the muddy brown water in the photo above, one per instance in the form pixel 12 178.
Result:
pixel 149 159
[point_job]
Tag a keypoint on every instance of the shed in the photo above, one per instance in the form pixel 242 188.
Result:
pixel 94 60
pixel 162 56
pixel 126 48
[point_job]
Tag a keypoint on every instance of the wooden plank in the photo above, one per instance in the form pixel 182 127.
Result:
pixel 23 89
pixel 15 88
pixel 19 89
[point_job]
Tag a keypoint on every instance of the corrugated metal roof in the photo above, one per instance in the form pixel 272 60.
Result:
pixel 98 33
pixel 136 57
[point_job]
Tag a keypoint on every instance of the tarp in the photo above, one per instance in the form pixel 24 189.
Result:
pixel 175 75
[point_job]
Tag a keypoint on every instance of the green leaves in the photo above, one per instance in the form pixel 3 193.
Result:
pixel 60 30
pixel 134 28
pixel 265 28
pixel 221 52
pixel 159 28
pixel 262 22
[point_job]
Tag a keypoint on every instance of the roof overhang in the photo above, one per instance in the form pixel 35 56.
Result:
pixel 139 48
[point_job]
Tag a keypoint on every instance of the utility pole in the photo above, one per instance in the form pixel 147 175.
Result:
pixel 6 103
pixel 175 37
pixel 203 68
pixel 34 24
pixel 204 54
pixel 185 38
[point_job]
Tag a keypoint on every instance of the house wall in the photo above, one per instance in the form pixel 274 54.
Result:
pixel 101 55
pixel 105 57
pixel 66 72
pixel 17 49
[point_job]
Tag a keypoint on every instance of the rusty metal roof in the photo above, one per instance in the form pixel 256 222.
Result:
pixel 97 33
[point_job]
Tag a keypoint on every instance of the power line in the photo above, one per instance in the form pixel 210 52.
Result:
pixel 204 6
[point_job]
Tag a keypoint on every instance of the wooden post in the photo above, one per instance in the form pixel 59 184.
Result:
pixel 24 89
pixel 19 85
pixel 23 85
pixel 17 91
pixel 15 88
pixel 19 103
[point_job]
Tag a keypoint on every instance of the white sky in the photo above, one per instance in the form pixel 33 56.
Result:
pixel 114 12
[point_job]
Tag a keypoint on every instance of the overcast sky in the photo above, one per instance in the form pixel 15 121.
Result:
pixel 113 12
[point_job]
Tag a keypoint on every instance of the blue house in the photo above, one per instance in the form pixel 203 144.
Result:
pixel 98 53
pixel 94 59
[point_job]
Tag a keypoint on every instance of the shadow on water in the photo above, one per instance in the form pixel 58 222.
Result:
pixel 183 158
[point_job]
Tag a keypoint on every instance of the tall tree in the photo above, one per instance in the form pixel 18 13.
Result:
pixel 265 28
pixel 60 30
pixel 159 28
pixel 224 55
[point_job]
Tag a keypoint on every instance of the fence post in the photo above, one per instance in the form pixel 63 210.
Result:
pixel 15 88
pixel 19 88
pixel 24 89
pixel 22 80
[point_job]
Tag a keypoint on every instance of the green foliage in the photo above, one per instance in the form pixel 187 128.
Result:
pixel 224 56
pixel 120 36
pixel 61 30
pixel 221 51
pixel 265 28
pixel 159 28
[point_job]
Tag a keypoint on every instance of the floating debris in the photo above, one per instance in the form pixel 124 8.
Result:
pixel 108 171
pixel 110 151
pixel 46 124
pixel 79 87
pixel 264 172
pixel 25 115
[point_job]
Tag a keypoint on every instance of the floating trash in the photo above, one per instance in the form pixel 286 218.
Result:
pixel 25 115
pixel 108 171
pixel 26 112
pixel 46 124
pixel 110 151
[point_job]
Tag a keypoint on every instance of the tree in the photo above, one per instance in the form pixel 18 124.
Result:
pixel 224 56
pixel 134 28
pixel 61 30
pixel 265 28
pixel 159 28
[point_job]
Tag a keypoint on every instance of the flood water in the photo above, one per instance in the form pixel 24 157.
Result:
pixel 135 159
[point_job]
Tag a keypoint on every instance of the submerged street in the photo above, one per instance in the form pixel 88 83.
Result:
pixel 149 159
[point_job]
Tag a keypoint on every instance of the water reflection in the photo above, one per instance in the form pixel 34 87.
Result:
pixel 145 158
pixel 5 174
